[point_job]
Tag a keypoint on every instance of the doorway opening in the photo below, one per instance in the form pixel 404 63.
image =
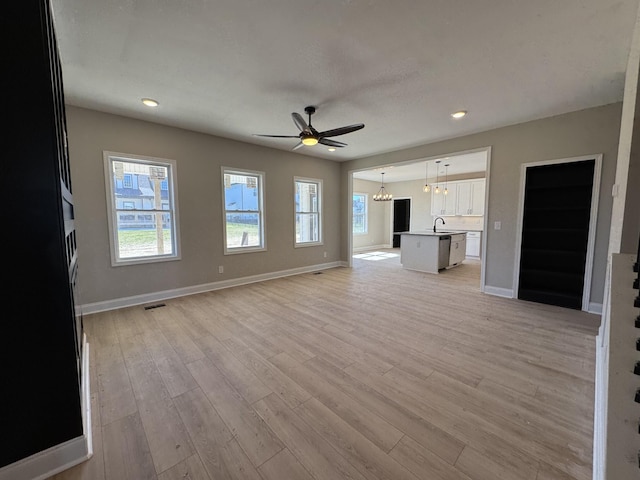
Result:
pixel 377 226
pixel 401 219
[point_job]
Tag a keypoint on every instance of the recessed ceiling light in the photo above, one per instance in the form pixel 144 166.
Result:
pixel 459 114
pixel 150 102
pixel 332 149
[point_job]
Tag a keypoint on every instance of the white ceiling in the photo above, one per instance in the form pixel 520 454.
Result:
pixel 235 68
pixel 457 165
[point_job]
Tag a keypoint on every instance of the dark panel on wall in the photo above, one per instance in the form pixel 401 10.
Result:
pixel 401 219
pixel 41 331
pixel 555 233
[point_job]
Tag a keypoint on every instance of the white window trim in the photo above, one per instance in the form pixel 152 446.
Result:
pixel 261 200
pixel 320 241
pixel 112 211
pixel 366 214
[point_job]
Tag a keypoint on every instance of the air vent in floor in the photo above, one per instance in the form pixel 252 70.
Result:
pixel 157 305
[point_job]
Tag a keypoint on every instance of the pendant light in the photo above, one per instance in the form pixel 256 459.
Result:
pixel 427 187
pixel 382 195
pixel 446 179
pixel 437 189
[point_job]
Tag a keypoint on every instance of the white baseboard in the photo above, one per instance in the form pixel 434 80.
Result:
pixel 371 247
pixel 207 287
pixel 498 291
pixel 86 397
pixel 45 464
pixel 595 308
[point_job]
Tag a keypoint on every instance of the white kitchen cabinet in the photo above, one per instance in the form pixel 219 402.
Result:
pixel 437 203
pixel 444 205
pixel 465 198
pixel 450 201
pixel 470 198
pixel 477 197
pixel 473 244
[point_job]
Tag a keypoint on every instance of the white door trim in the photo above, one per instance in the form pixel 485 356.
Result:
pixel 595 193
pixel 485 227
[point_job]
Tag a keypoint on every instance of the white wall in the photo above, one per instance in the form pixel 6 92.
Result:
pixel 377 219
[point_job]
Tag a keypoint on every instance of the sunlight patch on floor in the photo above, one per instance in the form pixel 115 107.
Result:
pixel 375 256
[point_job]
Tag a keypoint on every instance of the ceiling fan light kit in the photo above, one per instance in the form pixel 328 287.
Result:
pixel 309 136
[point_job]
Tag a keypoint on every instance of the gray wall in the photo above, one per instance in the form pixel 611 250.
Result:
pixel 590 131
pixel 378 217
pixel 199 158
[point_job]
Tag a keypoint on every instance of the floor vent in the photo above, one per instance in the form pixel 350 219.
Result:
pixel 157 305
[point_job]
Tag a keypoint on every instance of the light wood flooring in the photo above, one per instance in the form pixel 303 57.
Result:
pixel 374 372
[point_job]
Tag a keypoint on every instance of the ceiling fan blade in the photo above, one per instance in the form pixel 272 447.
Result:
pixel 300 123
pixel 276 136
pixel 342 130
pixel 331 143
pixel 298 146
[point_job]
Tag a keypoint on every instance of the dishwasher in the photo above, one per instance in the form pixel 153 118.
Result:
pixel 458 249
pixel 443 251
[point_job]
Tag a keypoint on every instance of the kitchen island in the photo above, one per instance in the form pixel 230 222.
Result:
pixel 432 252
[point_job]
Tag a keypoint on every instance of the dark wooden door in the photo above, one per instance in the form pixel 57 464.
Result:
pixel 555 232
pixel 401 219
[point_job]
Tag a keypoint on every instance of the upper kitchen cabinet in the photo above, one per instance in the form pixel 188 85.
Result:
pixel 465 198
pixel 470 198
pixel 444 205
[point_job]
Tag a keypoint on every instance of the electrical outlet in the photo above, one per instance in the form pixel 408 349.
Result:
pixel 497 225
pixel 220 269
pixel 325 254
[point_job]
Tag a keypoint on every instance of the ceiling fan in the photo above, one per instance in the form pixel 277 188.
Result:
pixel 310 136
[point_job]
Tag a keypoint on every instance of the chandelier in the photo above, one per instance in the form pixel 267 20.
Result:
pixel 382 195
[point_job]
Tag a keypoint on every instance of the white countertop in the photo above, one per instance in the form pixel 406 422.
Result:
pixel 436 234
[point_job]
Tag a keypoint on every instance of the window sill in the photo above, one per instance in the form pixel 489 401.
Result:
pixel 235 251
pixel 308 244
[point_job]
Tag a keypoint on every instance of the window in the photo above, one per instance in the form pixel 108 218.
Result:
pixel 142 215
pixel 127 180
pixel 243 211
pixel 359 213
pixel 308 198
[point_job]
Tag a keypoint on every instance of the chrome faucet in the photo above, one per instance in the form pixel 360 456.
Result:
pixel 434 223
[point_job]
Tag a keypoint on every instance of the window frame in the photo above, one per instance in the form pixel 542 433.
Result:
pixel 366 214
pixel 261 211
pixel 319 213
pixel 113 212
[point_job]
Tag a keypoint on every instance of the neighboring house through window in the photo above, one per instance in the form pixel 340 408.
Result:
pixel 360 213
pixel 243 211
pixel 141 200
pixel 308 218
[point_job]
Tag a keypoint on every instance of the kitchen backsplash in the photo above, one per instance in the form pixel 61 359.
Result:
pixel 463 223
